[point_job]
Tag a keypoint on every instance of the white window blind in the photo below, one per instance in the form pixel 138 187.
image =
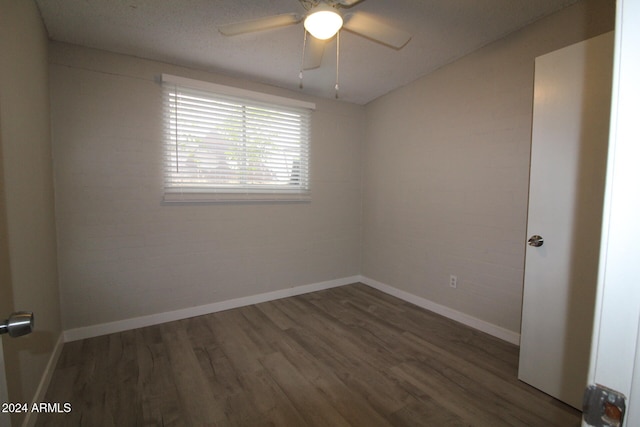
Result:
pixel 229 144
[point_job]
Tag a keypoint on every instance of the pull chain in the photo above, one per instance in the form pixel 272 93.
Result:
pixel 337 63
pixel 304 45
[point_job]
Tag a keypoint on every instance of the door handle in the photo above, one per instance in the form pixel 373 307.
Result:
pixel 536 241
pixel 18 324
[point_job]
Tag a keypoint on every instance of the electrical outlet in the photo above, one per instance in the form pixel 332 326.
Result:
pixel 453 281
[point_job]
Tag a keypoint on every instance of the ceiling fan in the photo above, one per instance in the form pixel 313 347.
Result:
pixel 323 20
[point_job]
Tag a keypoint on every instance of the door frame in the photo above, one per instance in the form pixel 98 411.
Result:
pixel 615 351
pixel 5 419
pixel 6 292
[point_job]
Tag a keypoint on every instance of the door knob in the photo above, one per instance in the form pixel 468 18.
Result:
pixel 536 241
pixel 18 324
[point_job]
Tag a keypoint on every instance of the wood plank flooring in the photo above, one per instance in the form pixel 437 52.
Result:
pixel 348 356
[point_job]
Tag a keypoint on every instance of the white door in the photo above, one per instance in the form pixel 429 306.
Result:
pixel 572 101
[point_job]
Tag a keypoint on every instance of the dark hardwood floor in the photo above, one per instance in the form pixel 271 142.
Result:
pixel 348 356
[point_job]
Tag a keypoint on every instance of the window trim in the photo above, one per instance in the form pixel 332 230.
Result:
pixel 229 195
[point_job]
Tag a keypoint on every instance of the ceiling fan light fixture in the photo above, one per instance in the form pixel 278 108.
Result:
pixel 323 22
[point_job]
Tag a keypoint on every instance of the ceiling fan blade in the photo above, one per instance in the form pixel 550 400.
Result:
pixel 314 53
pixel 260 24
pixel 347 3
pixel 376 30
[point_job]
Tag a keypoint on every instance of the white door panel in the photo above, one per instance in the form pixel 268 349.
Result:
pixel 568 161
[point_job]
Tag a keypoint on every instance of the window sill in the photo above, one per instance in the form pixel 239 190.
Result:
pixel 187 197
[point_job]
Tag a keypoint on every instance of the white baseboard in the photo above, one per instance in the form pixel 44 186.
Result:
pixel 465 319
pixel 155 319
pixel 31 417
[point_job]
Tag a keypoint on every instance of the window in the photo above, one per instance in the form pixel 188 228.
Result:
pixel 229 144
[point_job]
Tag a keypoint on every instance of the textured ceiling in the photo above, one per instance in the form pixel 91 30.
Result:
pixel 185 32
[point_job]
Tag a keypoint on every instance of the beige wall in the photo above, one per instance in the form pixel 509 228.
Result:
pixel 125 254
pixel 29 223
pixel 446 168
